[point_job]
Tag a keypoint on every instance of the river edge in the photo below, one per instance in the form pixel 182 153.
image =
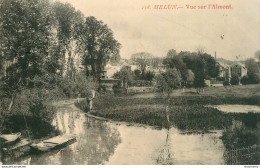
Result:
pixel 128 135
pixel 135 124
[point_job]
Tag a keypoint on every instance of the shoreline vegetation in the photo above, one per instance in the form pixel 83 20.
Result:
pixel 187 112
pixel 33 109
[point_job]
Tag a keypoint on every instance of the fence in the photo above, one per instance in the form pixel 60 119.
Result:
pixel 243 156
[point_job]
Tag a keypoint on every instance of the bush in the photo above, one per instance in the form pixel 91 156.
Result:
pixel 226 83
pixel 119 90
pixel 83 105
pixel 79 85
pixel 244 80
pixel 149 76
pixel 141 83
pixel 240 136
pixel 234 80
pixel 32 112
pixel 220 78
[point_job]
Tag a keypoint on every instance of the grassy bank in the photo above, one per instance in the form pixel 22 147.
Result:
pixel 151 111
pixel 187 110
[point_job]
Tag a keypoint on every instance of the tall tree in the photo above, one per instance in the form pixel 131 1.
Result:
pixel 175 60
pixel 25 30
pixel 125 75
pixel 96 43
pixel 168 81
pixel 66 19
pixel 253 71
pixel 171 53
pixel 211 67
pixel 143 59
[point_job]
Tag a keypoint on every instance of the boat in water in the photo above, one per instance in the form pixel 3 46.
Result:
pixel 10 138
pixel 54 143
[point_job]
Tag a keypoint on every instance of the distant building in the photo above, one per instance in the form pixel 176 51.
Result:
pixel 238 69
pixel 111 70
pixel 227 71
pixel 108 81
pixel 222 69
pixel 162 68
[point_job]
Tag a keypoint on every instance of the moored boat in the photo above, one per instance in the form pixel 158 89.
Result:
pixel 21 148
pixel 53 143
pixel 10 138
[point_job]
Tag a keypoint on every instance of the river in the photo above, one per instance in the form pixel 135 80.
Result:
pixel 111 143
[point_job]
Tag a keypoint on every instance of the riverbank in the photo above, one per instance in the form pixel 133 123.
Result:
pixel 186 109
pixel 109 143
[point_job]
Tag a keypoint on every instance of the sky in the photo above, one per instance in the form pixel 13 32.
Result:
pixel 231 33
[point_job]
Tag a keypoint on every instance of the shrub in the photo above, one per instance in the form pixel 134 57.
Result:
pixel 79 85
pixel 141 83
pixel 244 80
pixel 31 112
pixel 119 90
pixel 149 76
pixel 83 105
pixel 226 83
pixel 234 80
pixel 220 78
pixel 240 136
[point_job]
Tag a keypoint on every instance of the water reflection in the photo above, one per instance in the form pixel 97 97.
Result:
pixel 166 155
pixel 96 140
pixel 149 146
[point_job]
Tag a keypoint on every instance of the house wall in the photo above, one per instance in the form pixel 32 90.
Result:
pixel 238 70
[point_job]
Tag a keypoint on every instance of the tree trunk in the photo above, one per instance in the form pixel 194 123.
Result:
pixel 12 102
pixel 69 63
pixel 5 67
pixel 14 96
pixel 167 110
pixel 93 67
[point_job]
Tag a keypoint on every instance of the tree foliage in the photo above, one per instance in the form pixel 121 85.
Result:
pixel 201 64
pixel 96 43
pixel 125 75
pixel 253 71
pixel 25 30
pixel 39 42
pixel 169 81
pixel 190 78
pixel 142 59
pixel 64 45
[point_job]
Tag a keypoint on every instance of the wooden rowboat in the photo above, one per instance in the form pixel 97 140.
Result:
pixel 19 149
pixel 53 143
pixel 9 138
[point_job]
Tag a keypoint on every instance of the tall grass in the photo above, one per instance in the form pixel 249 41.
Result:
pixel 240 136
pixel 152 111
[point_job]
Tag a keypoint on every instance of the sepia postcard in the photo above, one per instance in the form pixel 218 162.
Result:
pixel 129 82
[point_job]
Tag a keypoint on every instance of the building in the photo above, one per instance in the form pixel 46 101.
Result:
pixel 227 71
pixel 111 70
pixel 238 69
pixel 222 69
